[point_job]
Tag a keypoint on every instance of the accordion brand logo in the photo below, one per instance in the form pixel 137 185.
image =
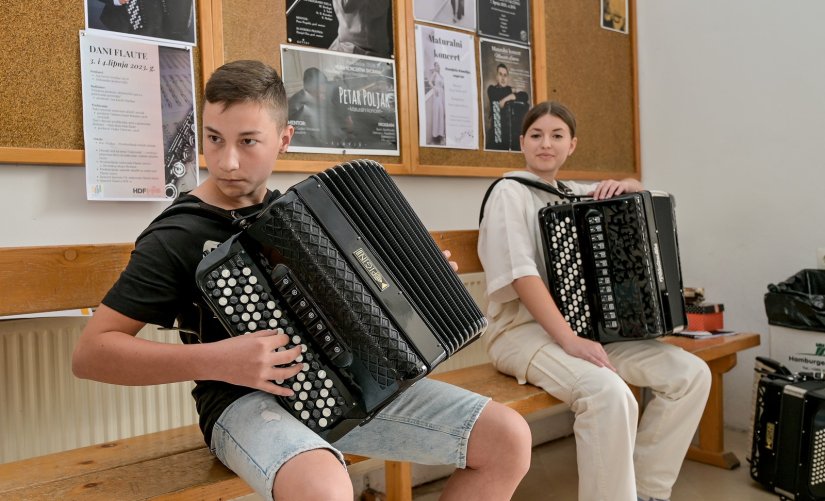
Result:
pixel 659 274
pixel 370 268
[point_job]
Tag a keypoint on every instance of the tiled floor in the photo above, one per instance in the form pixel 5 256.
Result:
pixel 553 477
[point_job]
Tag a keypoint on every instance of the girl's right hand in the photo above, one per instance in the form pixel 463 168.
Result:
pixel 588 350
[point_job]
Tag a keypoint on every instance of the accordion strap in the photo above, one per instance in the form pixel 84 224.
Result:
pixel 562 191
pixel 200 208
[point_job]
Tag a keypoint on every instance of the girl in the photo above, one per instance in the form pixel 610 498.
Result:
pixel 620 457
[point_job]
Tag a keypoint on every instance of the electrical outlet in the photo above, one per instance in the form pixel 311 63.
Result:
pixel 820 258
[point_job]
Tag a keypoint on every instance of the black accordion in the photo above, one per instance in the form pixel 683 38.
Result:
pixel 788 440
pixel 344 266
pixel 613 266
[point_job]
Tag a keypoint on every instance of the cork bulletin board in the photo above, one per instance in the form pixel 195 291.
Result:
pixel 41 110
pixel 574 61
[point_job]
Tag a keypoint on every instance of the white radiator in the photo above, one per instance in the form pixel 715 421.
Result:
pixel 44 408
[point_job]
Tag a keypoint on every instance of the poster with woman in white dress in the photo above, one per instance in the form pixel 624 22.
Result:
pixel 447 88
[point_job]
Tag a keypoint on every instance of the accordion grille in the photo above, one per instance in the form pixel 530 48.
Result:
pixel 293 231
pixel 380 212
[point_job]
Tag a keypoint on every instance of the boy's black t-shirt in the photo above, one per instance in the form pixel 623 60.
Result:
pixel 158 287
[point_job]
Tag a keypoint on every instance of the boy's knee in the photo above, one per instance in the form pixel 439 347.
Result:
pixel 313 475
pixel 500 432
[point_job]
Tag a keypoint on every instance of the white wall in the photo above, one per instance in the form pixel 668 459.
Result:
pixel 732 123
pixel 732 113
pixel 46 205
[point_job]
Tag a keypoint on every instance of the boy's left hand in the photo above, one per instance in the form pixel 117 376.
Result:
pixel 453 264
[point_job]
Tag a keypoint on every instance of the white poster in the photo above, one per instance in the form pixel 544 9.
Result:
pixel 447 88
pixel 138 119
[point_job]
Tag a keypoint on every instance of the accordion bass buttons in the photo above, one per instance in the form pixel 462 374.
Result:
pixel 595 221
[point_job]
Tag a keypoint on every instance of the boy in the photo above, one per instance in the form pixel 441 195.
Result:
pixel 244 130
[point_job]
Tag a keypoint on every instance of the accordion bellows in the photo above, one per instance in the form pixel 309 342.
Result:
pixel 359 254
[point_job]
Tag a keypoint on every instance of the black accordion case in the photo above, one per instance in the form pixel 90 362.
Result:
pixel 613 266
pixel 344 266
pixel 788 440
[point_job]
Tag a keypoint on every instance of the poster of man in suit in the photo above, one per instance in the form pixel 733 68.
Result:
pixel 506 78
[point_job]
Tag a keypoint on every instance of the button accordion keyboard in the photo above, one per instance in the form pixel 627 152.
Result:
pixel 613 266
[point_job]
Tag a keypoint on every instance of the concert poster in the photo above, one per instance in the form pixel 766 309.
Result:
pixel 459 14
pixel 340 103
pixel 447 88
pixel 362 27
pixel 506 77
pixel 170 21
pixel 505 20
pixel 138 118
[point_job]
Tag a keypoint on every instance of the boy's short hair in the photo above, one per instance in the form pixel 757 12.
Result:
pixel 247 80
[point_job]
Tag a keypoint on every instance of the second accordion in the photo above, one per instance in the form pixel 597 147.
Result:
pixel 344 266
pixel 613 266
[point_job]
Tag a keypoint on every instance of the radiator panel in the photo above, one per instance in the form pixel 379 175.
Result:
pixel 46 409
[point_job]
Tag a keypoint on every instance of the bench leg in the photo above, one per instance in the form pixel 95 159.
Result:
pixel 710 449
pixel 398 476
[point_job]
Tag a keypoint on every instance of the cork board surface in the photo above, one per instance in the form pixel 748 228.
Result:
pixel 40 104
pixel 40 95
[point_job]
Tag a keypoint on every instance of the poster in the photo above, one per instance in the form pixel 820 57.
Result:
pixel 138 118
pixel 447 88
pixel 506 78
pixel 340 103
pixel 362 27
pixel 505 20
pixel 170 21
pixel 459 14
pixel 614 15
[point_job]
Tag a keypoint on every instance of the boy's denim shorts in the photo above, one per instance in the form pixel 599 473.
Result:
pixel 429 423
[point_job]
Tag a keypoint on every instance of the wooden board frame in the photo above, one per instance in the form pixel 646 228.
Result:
pixel 211 46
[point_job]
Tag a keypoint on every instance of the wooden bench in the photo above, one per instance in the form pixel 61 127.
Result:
pixel 176 464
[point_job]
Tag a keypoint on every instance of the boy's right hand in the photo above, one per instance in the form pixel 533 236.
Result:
pixel 255 361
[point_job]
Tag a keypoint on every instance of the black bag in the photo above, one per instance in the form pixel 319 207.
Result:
pixel 798 302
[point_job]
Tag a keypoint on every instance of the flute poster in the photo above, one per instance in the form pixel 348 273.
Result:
pixel 447 88
pixel 138 119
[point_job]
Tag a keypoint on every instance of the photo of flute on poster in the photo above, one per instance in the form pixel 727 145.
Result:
pixel 138 118
pixel 505 20
pixel 506 78
pixel 447 88
pixel 340 103
pixel 362 27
